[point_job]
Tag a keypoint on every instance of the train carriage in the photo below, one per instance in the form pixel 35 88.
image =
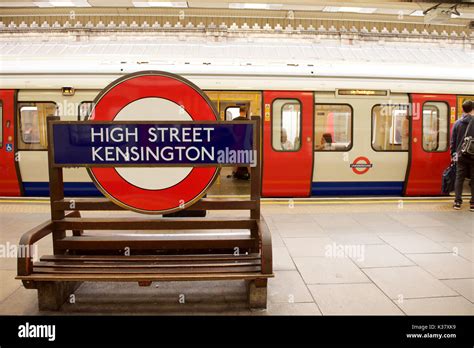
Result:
pixel 335 144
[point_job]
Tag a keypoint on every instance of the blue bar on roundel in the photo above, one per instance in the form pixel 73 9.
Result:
pixel 153 144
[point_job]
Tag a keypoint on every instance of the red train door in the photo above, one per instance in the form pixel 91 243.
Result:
pixel 287 143
pixel 432 119
pixel 9 184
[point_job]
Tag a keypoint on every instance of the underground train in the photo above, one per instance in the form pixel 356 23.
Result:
pixel 321 136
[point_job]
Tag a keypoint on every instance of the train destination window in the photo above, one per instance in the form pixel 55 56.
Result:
pixel 435 126
pixel 1 124
pixel 286 125
pixel 84 110
pixel 390 127
pixel 33 125
pixel 333 127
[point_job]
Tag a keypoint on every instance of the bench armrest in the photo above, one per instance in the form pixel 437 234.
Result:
pixel 25 264
pixel 266 246
pixel 25 254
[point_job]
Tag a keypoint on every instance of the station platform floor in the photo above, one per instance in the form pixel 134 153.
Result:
pixel 331 257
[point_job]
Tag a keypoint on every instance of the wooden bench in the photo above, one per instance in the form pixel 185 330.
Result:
pixel 83 252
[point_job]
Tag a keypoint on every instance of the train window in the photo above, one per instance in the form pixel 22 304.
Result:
pixel 435 126
pixel 33 125
pixel 85 109
pixel 1 125
pixel 333 127
pixel 286 125
pixel 390 127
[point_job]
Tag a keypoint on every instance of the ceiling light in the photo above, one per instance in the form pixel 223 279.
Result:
pixel 350 9
pixel 160 4
pixel 14 4
pixel 417 13
pixel 62 3
pixel 43 4
pixel 254 6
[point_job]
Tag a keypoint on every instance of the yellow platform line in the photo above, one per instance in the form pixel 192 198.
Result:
pixel 28 201
pixel 356 202
pixel 267 201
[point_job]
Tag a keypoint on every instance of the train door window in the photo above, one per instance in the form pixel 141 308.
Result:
pixel 286 125
pixel 232 112
pixel 390 127
pixel 33 125
pixel 435 126
pixel 85 109
pixel 1 125
pixel 333 127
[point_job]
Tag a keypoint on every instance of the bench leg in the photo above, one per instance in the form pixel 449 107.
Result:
pixel 257 294
pixel 52 295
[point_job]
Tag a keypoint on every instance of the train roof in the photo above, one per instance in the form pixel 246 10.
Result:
pixel 259 58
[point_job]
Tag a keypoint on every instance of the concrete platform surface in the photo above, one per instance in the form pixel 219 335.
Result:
pixel 331 257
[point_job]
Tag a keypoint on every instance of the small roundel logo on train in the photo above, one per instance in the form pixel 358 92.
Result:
pixel 361 165
pixel 154 97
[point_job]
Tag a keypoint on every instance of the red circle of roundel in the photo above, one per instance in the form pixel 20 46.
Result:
pixel 159 85
pixel 361 159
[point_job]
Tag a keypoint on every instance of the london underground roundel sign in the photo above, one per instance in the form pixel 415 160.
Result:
pixel 155 97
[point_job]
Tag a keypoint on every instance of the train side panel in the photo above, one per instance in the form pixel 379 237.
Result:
pixel 10 181
pixel 287 143
pixel 433 116
pixel 368 150
pixel 33 108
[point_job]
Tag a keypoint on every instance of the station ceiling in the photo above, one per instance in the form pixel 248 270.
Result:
pixel 220 36
pixel 413 8
pixel 360 14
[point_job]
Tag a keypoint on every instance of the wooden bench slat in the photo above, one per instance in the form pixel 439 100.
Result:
pixel 203 204
pixel 98 264
pixel 151 237
pixel 144 277
pixel 121 271
pixel 149 243
pixel 157 258
pixel 132 223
